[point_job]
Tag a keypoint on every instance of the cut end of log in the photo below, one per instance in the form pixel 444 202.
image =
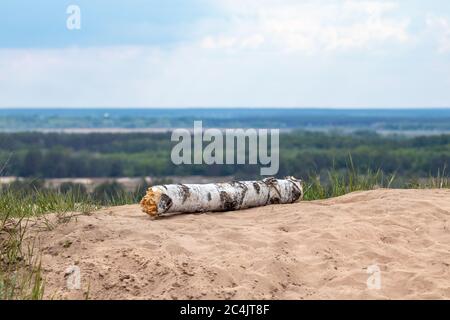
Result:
pixel 150 202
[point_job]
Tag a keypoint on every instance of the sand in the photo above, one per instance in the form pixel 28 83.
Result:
pixel 309 250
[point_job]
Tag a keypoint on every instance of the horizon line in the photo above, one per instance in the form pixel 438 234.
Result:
pixel 224 107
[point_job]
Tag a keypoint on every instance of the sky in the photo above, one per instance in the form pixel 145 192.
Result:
pixel 225 53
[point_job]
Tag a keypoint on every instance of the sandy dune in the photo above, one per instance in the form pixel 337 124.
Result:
pixel 310 250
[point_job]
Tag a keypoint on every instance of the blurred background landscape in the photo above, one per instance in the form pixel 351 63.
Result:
pixel 110 151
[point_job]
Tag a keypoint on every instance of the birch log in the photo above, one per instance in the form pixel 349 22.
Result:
pixel 190 198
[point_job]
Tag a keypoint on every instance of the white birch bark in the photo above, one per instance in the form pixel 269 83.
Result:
pixel 170 199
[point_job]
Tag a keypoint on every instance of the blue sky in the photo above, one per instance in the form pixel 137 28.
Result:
pixel 205 53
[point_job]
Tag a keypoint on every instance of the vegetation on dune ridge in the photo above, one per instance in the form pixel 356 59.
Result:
pixel 22 202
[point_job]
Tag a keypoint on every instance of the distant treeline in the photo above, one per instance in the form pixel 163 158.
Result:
pixel 400 119
pixel 53 155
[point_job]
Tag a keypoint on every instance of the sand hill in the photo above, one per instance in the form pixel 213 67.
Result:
pixel 310 250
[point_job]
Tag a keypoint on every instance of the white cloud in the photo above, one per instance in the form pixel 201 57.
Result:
pixel 191 76
pixel 218 42
pixel 310 26
pixel 224 42
pixel 259 53
pixel 439 28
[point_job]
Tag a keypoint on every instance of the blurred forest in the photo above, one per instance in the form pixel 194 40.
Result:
pixel 302 153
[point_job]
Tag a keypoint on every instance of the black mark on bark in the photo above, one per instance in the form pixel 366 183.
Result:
pixel 165 202
pixel 257 187
pixel 185 192
pixel 228 203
